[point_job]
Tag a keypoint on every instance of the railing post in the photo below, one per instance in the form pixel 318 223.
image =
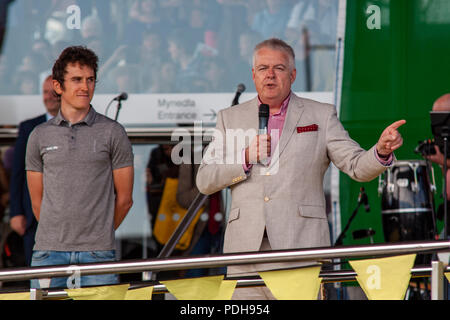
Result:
pixel 437 280
pixel 36 294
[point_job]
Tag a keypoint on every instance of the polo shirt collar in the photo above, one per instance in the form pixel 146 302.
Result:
pixel 89 119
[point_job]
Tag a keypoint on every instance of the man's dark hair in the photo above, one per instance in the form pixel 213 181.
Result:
pixel 74 55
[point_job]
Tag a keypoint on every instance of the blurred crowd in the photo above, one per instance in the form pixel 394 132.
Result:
pixel 168 46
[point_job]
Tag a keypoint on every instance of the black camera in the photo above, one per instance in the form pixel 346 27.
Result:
pixel 426 147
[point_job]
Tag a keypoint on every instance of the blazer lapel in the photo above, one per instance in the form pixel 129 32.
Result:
pixel 249 114
pixel 294 112
pixel 253 114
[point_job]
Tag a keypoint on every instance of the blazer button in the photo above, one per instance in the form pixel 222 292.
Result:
pixel 266 199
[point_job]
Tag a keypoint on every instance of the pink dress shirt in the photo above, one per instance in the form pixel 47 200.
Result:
pixel 276 122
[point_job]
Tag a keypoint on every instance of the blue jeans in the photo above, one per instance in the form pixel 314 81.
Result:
pixel 52 258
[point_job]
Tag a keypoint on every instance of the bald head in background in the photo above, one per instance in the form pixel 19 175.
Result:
pixel 51 101
pixel 442 103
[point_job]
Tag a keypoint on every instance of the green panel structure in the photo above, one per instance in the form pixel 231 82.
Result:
pixel 396 64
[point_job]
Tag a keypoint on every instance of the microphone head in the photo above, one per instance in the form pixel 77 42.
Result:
pixel 241 88
pixel 123 96
pixel 264 111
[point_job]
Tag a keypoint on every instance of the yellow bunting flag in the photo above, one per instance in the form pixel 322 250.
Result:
pixel 226 290
pixel 206 288
pixel 447 275
pixel 15 296
pixel 139 294
pixel 385 278
pixel 99 293
pixel 298 284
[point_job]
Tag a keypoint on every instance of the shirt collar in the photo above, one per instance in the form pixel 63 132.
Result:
pixel 89 119
pixel 48 116
pixel 284 105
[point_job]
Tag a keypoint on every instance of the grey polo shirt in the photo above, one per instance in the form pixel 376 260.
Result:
pixel 77 211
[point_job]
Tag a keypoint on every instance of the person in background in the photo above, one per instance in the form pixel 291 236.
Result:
pixel 22 219
pixel 271 22
pixel 208 233
pixel 4 189
pixel 242 69
pixel 442 104
pixel 159 167
pixel 183 53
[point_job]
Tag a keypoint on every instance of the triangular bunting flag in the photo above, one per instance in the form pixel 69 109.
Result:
pixel 385 278
pixel 99 293
pixel 206 288
pixel 139 294
pixel 226 290
pixel 15 296
pixel 447 275
pixel 298 284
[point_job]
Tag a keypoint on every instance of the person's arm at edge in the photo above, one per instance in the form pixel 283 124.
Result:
pixel 123 185
pixel 36 187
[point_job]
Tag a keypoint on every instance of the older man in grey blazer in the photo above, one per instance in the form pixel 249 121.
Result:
pixel 276 179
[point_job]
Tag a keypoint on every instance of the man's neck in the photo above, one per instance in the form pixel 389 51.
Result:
pixel 52 113
pixel 73 115
pixel 275 105
pixel 274 109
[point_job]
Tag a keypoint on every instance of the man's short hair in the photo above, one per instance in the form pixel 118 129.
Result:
pixel 74 55
pixel 276 44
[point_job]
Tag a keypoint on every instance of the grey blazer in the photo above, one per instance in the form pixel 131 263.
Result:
pixel 286 198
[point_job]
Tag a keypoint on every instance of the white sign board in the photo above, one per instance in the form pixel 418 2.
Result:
pixel 143 109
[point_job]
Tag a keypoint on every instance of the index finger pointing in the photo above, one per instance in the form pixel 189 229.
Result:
pixel 397 124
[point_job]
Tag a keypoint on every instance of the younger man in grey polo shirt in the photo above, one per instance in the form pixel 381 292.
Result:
pixel 80 174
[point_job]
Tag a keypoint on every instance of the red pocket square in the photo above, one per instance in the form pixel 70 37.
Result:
pixel 313 127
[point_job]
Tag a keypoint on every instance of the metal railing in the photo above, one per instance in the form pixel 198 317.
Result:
pixel 436 270
pixel 137 135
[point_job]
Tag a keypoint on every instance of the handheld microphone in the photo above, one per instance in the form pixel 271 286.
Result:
pixel 263 118
pixel 362 198
pixel 263 123
pixel 240 88
pixel 122 97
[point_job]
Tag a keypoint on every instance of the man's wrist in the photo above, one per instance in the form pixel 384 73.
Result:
pixel 384 157
pixel 385 160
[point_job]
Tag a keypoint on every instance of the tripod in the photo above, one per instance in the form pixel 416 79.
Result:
pixel 362 199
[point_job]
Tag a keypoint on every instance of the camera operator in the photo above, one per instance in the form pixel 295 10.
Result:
pixel 441 104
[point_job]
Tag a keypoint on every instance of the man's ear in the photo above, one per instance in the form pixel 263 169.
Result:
pixel 57 87
pixel 293 75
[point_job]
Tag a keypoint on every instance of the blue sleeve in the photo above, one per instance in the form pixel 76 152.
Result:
pixel 18 174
